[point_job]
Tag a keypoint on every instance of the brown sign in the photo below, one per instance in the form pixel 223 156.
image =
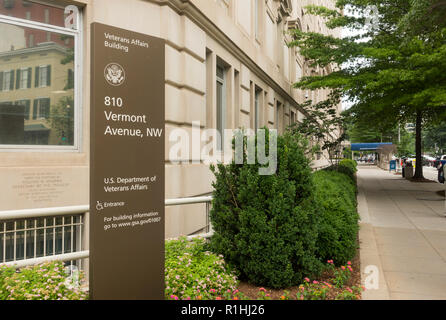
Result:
pixel 126 165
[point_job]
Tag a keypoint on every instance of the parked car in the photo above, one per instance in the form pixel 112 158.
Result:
pixel 440 161
pixel 428 160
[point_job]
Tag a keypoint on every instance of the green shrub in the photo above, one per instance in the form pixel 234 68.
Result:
pixel 338 226
pixel 47 281
pixel 345 166
pixel 349 163
pixel 266 225
pixel 192 272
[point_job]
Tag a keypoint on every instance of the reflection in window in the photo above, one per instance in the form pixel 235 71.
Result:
pixel 24 78
pixel 33 11
pixel 41 108
pixel 25 104
pixel 7 80
pixel 43 76
pixel 36 85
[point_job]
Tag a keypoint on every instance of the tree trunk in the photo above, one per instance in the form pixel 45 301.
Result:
pixel 419 160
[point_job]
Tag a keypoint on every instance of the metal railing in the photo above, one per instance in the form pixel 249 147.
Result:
pixel 34 236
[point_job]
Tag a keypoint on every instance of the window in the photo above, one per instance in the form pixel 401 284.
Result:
pixel 38 12
pixel 25 105
pixel 258 92
pixel 46 15
pixel 23 78
pixel 41 108
pixel 257 17
pixel 221 105
pixel 31 41
pixel 278 117
pixel 270 37
pixel 286 61
pixel 43 76
pixel 7 80
pixel 299 71
pixel 40 77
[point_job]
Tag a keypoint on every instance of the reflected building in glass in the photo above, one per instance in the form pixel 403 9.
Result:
pixel 36 83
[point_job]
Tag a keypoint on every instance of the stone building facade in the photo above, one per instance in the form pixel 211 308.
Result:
pixel 227 66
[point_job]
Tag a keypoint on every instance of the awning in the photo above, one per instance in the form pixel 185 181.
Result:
pixel 368 146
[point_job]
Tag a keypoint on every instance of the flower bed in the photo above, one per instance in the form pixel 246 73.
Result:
pixel 47 281
pixel 335 283
pixel 193 273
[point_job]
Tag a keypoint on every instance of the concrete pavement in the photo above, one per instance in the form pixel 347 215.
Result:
pixel 402 236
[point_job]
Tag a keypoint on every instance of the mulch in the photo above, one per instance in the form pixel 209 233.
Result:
pixel 252 291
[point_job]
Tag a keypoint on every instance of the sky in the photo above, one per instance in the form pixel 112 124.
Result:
pixel 348 33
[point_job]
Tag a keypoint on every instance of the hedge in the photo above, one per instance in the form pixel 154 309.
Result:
pixel 275 230
pixel 347 167
pixel 335 192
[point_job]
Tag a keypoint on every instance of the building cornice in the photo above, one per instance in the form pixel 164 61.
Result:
pixel 187 8
pixel 37 49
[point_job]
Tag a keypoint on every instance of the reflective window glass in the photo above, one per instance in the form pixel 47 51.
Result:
pixel 37 87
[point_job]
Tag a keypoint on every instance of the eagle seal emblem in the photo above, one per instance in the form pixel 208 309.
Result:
pixel 114 74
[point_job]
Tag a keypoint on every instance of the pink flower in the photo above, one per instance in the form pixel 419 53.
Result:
pixel 307 280
pixel 315 282
pixel 262 289
pixel 349 263
pixel 349 290
pixel 343 268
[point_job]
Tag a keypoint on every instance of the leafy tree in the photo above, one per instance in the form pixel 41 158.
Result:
pixel 391 71
pixel 62 120
pixel 406 145
pixel 358 132
pixel 323 125
pixel 434 138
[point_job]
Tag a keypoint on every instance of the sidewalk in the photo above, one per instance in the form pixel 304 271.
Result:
pixel 403 234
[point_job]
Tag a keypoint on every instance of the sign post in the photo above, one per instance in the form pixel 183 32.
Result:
pixel 126 165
